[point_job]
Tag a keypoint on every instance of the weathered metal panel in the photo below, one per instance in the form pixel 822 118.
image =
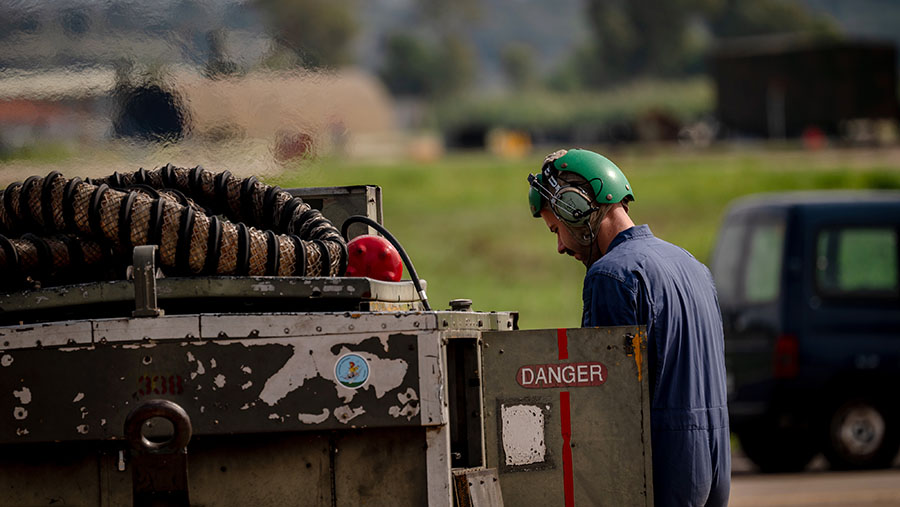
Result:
pixel 172 327
pixel 237 470
pixel 477 488
pixel 311 324
pixel 476 321
pixel 45 475
pixel 577 427
pixel 433 401
pixel 242 470
pixel 339 203
pixel 45 335
pixel 226 386
pixel 381 467
pixel 96 294
pixel 437 466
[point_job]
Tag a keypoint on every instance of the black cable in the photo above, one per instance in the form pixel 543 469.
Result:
pixel 390 237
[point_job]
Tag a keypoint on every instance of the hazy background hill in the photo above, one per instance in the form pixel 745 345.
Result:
pixel 543 34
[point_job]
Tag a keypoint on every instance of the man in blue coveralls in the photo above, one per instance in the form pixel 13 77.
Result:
pixel 633 278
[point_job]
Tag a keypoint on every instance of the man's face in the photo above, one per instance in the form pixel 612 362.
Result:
pixel 565 242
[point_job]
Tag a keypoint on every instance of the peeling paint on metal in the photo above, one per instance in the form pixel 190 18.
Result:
pixel 219 381
pixel 84 412
pixel 408 396
pixel 190 357
pixel 245 406
pixel 24 395
pixel 246 369
pixel 345 414
pixel 522 433
pixel 350 289
pixel 40 299
pixel 20 413
pixel 102 422
pixel 202 409
pixel 78 397
pixel 6 360
pixel 262 287
pixel 212 363
pixel 82 428
pixel 21 432
pixel 638 356
pixel 311 360
pixel 314 418
pixel 332 288
pixel 247 385
pixel 200 369
pixel 408 411
pixel 133 346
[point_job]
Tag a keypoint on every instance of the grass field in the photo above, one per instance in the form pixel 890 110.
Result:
pixel 465 223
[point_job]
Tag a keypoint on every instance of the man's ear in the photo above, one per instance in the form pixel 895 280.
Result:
pixel 625 205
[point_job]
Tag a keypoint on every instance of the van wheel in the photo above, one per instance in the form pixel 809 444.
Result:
pixel 777 450
pixel 861 434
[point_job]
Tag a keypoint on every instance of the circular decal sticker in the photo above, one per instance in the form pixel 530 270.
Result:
pixel 351 371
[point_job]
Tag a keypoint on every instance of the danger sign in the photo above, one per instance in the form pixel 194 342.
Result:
pixel 546 376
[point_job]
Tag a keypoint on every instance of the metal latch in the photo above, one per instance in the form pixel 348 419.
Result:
pixel 159 469
pixel 145 282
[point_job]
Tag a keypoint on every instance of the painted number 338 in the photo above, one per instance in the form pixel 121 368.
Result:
pixel 159 384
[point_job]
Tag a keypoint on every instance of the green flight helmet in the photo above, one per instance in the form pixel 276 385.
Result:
pixel 606 179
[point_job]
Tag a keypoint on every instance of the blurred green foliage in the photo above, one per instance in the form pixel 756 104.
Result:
pixel 641 38
pixel 465 223
pixel 517 61
pixel 536 109
pixel 48 152
pixel 414 67
pixel 318 32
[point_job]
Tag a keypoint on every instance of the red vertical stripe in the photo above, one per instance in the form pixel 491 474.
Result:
pixel 566 422
pixel 562 342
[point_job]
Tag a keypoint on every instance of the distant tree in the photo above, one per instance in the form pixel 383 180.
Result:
pixel 651 37
pixel 318 31
pixel 75 21
pixel 414 68
pixel 408 63
pixel 456 66
pixel 517 60
pixel 219 64
pixel 738 18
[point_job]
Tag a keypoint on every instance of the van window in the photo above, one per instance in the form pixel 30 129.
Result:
pixel 726 262
pixel 762 275
pixel 857 261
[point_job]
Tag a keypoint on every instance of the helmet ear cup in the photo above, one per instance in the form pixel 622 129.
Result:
pixel 572 205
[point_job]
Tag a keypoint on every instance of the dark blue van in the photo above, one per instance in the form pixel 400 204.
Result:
pixel 809 287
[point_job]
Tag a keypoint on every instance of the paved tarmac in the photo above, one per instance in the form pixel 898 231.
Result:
pixel 818 486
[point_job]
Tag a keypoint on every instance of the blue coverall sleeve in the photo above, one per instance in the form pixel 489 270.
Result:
pixel 608 301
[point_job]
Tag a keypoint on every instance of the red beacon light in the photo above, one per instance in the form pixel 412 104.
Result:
pixel 373 257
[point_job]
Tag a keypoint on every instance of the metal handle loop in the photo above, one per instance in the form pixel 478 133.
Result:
pixel 158 408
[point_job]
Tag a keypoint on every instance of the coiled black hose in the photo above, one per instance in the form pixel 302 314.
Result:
pixel 52 228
